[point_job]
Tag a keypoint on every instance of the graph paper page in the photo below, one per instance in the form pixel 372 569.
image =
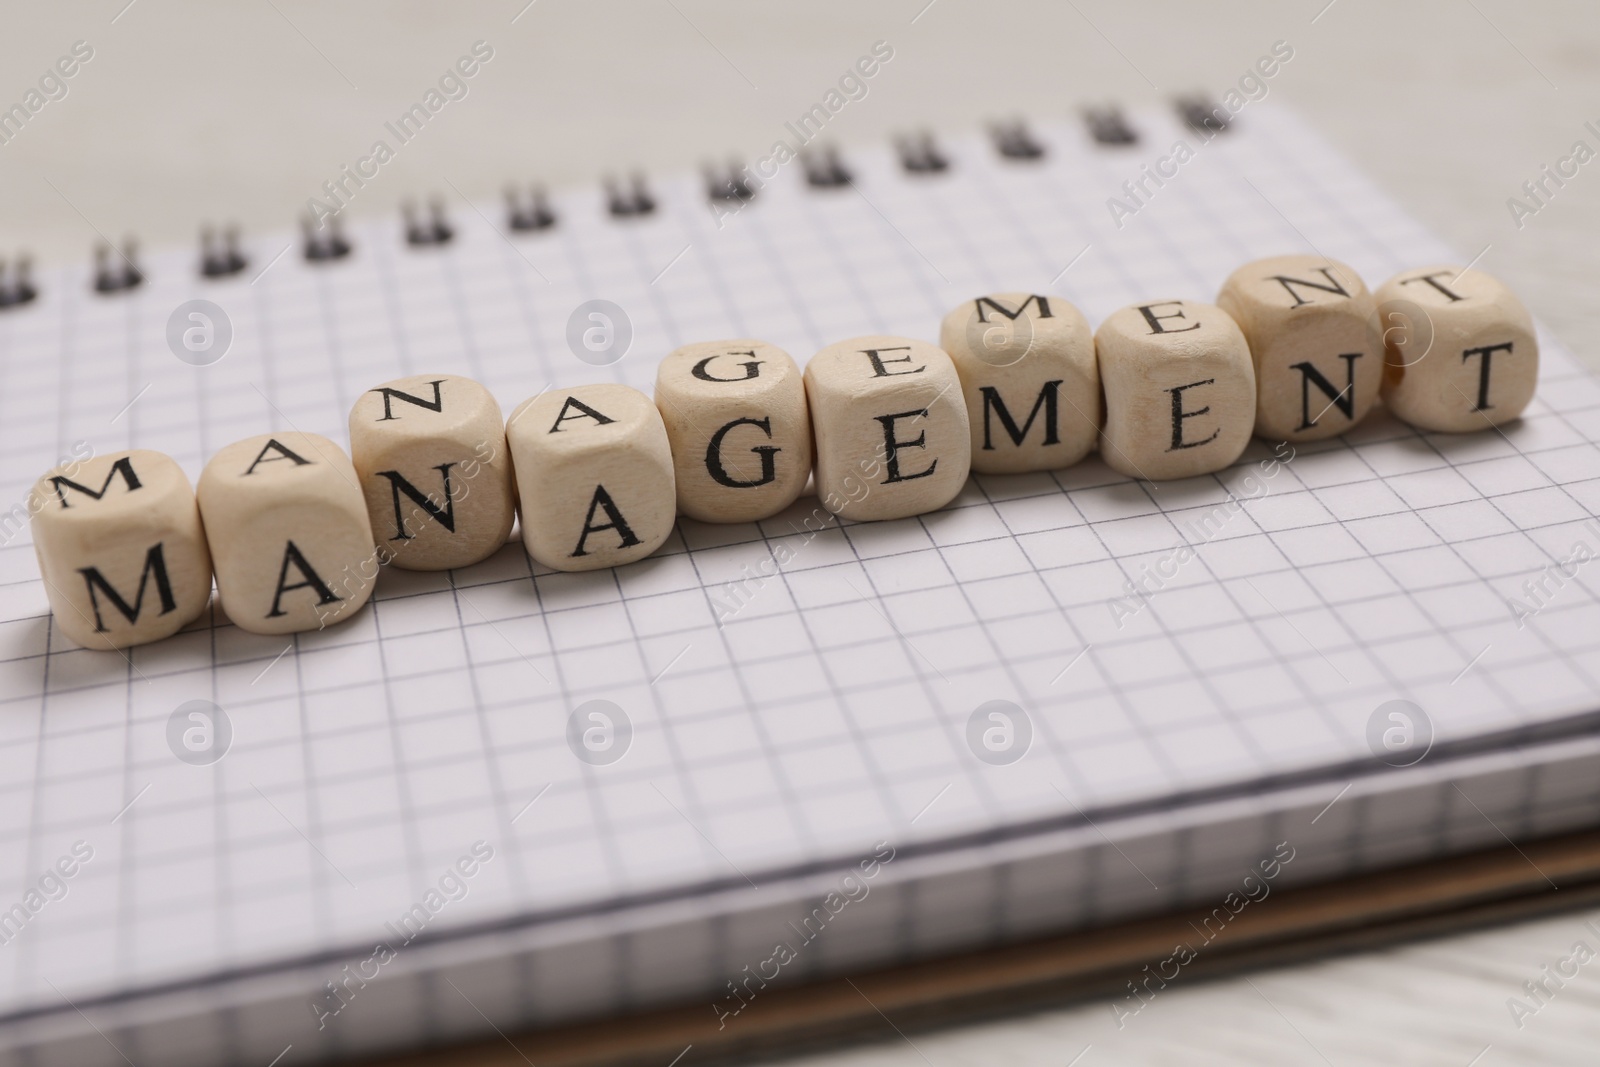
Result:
pixel 831 709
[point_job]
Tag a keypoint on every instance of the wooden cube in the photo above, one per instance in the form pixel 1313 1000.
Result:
pixel 1029 378
pixel 1180 390
pixel 1460 349
pixel 1318 366
pixel 891 427
pixel 594 473
pixel 736 418
pixel 430 452
pixel 289 534
pixel 120 548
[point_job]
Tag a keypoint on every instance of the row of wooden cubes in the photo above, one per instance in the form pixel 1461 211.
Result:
pixel 1295 349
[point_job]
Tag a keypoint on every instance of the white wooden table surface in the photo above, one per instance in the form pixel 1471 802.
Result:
pixel 190 111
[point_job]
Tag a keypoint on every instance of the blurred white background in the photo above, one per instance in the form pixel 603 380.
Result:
pixel 192 111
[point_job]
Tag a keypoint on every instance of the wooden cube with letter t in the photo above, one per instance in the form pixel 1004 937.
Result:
pixel 1030 380
pixel 430 451
pixel 1317 359
pixel 594 473
pixel 1460 349
pixel 1180 391
pixel 120 548
pixel 288 531
pixel 891 427
pixel 736 418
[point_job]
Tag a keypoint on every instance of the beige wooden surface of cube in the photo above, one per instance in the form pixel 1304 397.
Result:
pixel 289 533
pixel 740 432
pixel 1308 322
pixel 121 548
pixel 430 452
pixel 594 476
pixel 1460 349
pixel 1029 379
pixel 890 425
pixel 1180 390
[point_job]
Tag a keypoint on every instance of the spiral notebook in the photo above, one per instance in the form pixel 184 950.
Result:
pixel 397 831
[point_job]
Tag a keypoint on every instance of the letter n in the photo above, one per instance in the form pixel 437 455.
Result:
pixel 445 516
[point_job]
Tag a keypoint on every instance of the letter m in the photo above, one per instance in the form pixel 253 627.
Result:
pixel 992 404
pixel 123 466
pixel 1000 309
pixel 155 564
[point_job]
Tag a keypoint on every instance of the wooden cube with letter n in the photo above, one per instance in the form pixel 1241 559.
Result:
pixel 1030 380
pixel 430 451
pixel 891 427
pixel 594 474
pixel 1318 363
pixel 736 418
pixel 289 535
pixel 120 548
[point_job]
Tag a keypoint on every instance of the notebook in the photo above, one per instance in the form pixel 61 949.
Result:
pixel 502 797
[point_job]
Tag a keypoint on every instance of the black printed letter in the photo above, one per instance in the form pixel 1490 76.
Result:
pixel 154 563
pixel 719 473
pixel 892 446
pixel 1178 415
pixel 445 517
pixel 395 394
pixel 1155 320
pixel 310 580
pixel 602 500
pixel 1483 370
pixel 123 466
pixel 1343 399
pixel 1046 400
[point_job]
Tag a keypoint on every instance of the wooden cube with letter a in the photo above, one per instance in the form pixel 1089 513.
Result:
pixel 1318 364
pixel 430 451
pixel 289 534
pixel 1460 349
pixel 1180 391
pixel 121 548
pixel 594 473
pixel 891 427
pixel 1030 380
pixel 736 419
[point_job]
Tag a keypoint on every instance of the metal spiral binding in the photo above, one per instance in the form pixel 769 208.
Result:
pixel 425 233
pixel 115 276
pixel 324 243
pixel 1107 126
pixel 630 202
pixel 919 154
pixel 733 184
pixel 1202 116
pixel 16 288
pixel 1013 140
pixel 824 168
pixel 219 259
pixel 534 214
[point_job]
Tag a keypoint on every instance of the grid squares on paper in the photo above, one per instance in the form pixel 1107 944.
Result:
pixel 829 709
